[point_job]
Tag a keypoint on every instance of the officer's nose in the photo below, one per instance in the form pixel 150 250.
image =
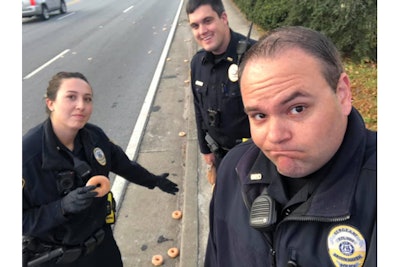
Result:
pixel 202 29
pixel 80 104
pixel 277 130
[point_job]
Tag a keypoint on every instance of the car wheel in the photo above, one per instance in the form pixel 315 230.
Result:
pixel 63 7
pixel 45 13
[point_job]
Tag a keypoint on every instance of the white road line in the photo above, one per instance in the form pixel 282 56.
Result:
pixel 65 16
pixel 129 8
pixel 119 184
pixel 46 64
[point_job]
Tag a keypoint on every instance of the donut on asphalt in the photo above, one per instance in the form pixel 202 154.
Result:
pixel 102 184
pixel 173 252
pixel 177 214
pixel 157 260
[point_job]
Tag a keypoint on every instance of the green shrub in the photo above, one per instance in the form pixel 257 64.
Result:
pixel 352 25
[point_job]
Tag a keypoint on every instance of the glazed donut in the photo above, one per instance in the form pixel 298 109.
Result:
pixel 173 252
pixel 177 214
pixel 157 260
pixel 102 183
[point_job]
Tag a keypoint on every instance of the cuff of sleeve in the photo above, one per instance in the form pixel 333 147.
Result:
pixel 59 213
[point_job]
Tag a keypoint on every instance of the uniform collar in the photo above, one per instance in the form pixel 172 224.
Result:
pixel 54 153
pixel 56 156
pixel 334 195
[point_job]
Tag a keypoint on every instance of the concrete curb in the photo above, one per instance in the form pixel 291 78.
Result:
pixel 120 184
pixel 190 224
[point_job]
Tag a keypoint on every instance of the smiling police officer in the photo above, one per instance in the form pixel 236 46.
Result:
pixel 220 117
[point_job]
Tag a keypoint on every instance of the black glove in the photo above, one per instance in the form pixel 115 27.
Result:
pixel 166 185
pixel 79 199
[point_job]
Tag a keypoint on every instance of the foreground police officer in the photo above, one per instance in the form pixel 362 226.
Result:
pixel 64 223
pixel 221 121
pixel 303 191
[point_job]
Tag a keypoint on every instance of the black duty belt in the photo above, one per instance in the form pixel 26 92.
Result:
pixel 43 252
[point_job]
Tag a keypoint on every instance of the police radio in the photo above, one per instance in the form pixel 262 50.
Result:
pixel 243 45
pixel 81 167
pixel 263 212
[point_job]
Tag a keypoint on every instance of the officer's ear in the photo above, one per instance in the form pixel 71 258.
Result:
pixel 224 17
pixel 343 92
pixel 49 104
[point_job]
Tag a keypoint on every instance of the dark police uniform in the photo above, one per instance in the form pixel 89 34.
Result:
pixel 50 171
pixel 217 100
pixel 332 217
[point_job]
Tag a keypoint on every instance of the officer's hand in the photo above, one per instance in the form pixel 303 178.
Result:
pixel 166 185
pixel 79 199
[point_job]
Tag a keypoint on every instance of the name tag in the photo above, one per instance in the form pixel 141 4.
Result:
pixel 199 83
pixel 255 176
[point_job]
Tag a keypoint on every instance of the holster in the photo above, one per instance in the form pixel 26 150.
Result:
pixel 214 147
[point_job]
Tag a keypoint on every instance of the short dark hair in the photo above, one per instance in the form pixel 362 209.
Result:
pixel 55 82
pixel 216 5
pixel 310 41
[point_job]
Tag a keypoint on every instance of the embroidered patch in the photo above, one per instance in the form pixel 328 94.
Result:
pixel 346 246
pixel 233 73
pixel 99 156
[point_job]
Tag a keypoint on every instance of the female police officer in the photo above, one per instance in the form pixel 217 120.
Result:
pixel 61 216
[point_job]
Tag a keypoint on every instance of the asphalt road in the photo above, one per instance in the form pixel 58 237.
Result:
pixel 116 44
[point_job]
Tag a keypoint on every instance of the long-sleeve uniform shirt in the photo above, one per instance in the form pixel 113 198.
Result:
pixel 330 221
pixel 217 96
pixel 46 164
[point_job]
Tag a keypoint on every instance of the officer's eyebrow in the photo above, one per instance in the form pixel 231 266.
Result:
pixel 247 110
pixel 294 95
pixel 283 102
pixel 205 20
pixel 193 25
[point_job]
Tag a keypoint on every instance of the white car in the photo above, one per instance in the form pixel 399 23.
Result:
pixel 42 8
